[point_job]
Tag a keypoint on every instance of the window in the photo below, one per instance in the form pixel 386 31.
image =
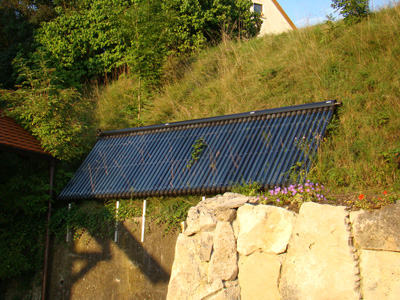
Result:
pixel 258 8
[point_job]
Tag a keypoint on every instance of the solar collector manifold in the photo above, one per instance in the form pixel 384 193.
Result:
pixel 152 161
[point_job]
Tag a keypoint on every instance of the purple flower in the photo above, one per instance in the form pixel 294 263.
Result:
pixel 278 200
pixel 308 191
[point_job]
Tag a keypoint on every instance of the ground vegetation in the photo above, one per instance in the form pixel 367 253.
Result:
pixel 120 66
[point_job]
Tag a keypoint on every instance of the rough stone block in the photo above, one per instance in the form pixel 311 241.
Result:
pixel 205 292
pixel 200 218
pixel 378 230
pixel 223 263
pixel 226 215
pixel 189 273
pixel 205 215
pixel 263 228
pixel 231 293
pixel 205 244
pixel 228 200
pixel 258 276
pixel 319 264
pixel 380 274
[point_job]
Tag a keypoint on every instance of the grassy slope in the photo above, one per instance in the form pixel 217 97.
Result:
pixel 357 65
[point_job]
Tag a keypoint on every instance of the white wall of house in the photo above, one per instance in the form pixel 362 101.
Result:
pixel 274 18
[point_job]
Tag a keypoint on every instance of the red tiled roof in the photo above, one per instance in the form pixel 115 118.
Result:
pixel 14 136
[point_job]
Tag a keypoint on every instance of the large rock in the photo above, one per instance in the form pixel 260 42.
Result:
pixel 205 245
pixel 226 215
pixel 200 218
pixel 380 275
pixel 205 215
pixel 223 264
pixel 231 293
pixel 318 264
pixel 228 200
pixel 258 276
pixel 189 274
pixel 378 230
pixel 207 291
pixel 263 228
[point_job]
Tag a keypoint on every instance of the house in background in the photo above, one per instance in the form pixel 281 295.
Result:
pixel 274 18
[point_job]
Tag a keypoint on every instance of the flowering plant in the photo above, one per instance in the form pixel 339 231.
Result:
pixel 294 194
pixel 373 202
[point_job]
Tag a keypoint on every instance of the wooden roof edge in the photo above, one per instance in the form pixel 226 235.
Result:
pixel 287 18
pixel 25 152
pixel 19 135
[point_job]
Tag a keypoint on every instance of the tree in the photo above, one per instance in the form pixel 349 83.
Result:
pixel 16 33
pixel 93 37
pixel 145 33
pixel 90 38
pixel 84 41
pixel 196 24
pixel 353 11
pixel 50 111
pixel 18 20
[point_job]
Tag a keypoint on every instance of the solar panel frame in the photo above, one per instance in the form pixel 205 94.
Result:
pixel 260 146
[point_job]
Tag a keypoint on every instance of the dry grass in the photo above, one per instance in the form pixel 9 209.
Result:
pixel 357 65
pixel 117 103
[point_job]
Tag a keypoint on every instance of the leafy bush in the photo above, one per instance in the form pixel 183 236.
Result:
pixel 89 217
pixel 84 41
pixel 24 195
pixel 52 113
pixel 98 219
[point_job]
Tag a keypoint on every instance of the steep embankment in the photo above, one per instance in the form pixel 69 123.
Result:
pixel 357 65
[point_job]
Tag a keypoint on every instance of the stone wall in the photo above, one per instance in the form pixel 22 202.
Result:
pixel 93 269
pixel 232 248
